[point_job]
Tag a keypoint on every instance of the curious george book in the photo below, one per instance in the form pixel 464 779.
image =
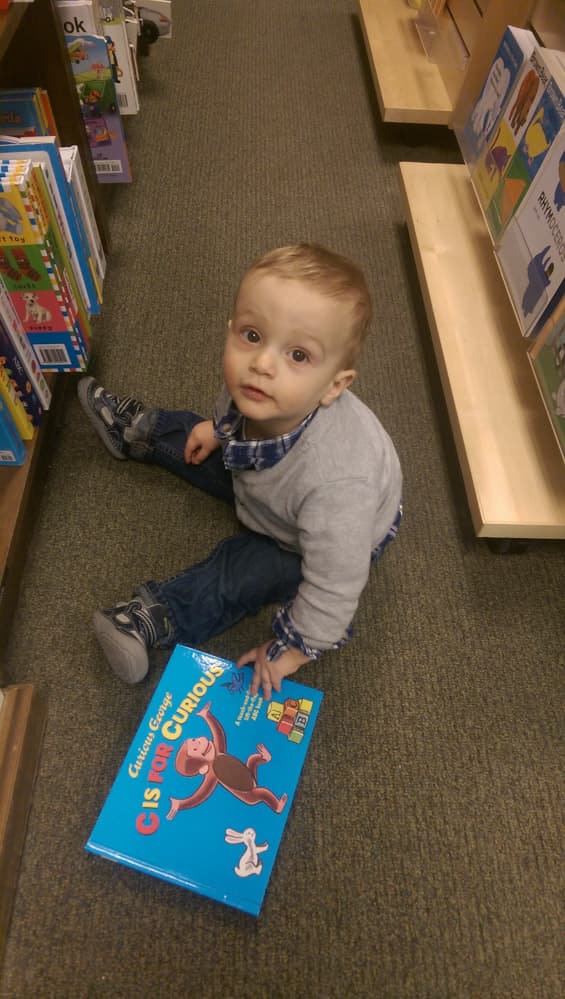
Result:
pixel 204 792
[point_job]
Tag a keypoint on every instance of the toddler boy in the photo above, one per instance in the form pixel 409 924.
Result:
pixel 314 477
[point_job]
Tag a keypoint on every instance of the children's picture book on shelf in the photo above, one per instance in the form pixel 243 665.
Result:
pixel 531 252
pixel 35 267
pixel 10 323
pixel 515 48
pixel 547 357
pixel 12 448
pixel 204 792
pixel 84 212
pixel 494 161
pixel 26 111
pixel 94 78
pixel 91 17
pixel 45 151
pixel 542 126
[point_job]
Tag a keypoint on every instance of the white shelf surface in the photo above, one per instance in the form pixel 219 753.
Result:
pixel 511 464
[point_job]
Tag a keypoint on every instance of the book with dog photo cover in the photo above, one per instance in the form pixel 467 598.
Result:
pixel 203 794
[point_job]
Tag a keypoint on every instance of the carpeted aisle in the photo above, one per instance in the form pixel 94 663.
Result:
pixel 421 856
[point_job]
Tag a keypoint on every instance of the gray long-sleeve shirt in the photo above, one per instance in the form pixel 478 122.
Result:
pixel 332 498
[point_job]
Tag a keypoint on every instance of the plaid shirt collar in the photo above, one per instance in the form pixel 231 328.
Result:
pixel 241 454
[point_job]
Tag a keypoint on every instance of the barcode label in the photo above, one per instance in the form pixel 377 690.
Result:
pixel 7 456
pixel 122 100
pixel 108 166
pixel 52 355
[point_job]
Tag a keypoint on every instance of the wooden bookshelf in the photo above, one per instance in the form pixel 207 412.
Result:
pixel 510 460
pixel 22 724
pixel 32 53
pixel 410 87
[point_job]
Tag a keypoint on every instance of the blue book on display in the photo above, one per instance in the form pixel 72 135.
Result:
pixel 204 792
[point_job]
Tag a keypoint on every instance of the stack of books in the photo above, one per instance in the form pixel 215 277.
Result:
pixel 52 265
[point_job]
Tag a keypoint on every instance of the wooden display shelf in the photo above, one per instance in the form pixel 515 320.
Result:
pixel 409 87
pixel 22 725
pixel 511 464
pixel 412 88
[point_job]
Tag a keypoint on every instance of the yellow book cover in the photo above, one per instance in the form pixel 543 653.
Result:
pixel 16 224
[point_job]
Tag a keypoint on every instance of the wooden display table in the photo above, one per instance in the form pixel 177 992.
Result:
pixel 512 468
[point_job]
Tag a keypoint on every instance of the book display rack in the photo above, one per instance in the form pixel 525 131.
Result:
pixel 510 460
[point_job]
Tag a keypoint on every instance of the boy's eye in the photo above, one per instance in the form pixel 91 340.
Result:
pixel 299 355
pixel 251 336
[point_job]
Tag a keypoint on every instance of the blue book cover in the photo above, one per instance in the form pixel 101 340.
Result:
pixel 12 448
pixel 204 792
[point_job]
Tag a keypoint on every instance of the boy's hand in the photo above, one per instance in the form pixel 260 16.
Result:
pixel 269 674
pixel 200 443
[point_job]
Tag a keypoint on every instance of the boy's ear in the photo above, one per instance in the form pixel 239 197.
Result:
pixel 341 381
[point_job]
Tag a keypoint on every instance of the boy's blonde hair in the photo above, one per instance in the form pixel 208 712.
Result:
pixel 329 273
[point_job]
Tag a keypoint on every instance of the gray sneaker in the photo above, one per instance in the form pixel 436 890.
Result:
pixel 109 414
pixel 126 632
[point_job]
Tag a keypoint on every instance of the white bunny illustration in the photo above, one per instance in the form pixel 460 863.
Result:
pixel 249 862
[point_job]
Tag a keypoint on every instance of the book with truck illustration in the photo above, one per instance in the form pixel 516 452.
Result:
pixel 203 794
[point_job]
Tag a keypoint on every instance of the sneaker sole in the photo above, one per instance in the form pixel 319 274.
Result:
pixel 126 655
pixel 96 421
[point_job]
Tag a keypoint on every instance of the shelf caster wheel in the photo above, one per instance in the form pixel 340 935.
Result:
pixel 508 546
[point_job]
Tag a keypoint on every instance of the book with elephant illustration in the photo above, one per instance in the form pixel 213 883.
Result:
pixel 203 794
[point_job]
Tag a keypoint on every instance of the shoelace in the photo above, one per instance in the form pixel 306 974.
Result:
pixel 142 620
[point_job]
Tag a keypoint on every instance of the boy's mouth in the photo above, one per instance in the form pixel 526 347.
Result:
pixel 251 392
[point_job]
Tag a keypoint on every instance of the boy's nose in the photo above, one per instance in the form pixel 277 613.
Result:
pixel 263 361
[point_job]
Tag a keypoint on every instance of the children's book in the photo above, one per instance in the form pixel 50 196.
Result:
pixel 14 405
pixel 89 17
pixel 204 792
pixel 543 124
pixel 14 328
pixel 36 269
pixel 493 162
pixel 547 357
pixel 12 448
pixel 45 150
pixel 90 57
pixel 85 213
pixel 17 373
pixel 515 48
pixel 22 112
pixel 531 252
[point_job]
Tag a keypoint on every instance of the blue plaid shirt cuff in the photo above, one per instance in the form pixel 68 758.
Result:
pixel 287 637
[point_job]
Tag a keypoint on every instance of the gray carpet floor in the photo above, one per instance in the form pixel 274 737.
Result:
pixel 422 854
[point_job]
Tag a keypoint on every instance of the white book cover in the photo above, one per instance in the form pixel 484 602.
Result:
pixel 75 174
pixel 531 252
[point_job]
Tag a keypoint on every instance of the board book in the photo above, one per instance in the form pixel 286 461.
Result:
pixel 204 792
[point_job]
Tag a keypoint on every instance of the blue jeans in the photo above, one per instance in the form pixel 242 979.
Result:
pixel 244 572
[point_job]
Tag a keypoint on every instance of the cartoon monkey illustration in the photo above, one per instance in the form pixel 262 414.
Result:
pixel 208 757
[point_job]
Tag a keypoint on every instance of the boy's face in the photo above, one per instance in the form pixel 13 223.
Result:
pixel 284 352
